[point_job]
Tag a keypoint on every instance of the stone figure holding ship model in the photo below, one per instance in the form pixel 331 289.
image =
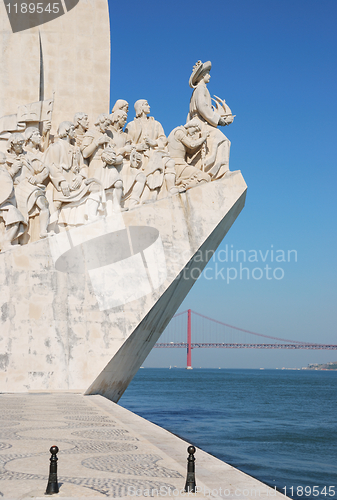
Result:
pixel 213 157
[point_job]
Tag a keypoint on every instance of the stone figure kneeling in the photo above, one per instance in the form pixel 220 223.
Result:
pixel 181 142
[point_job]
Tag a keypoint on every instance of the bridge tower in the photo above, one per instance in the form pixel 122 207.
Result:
pixel 189 341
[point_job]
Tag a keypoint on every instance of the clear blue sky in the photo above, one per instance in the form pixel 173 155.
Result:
pixel 275 64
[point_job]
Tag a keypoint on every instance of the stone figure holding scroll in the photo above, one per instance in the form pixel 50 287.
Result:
pixel 181 141
pixel 78 198
pixel 149 137
pixel 29 189
pixel 14 222
pixel 214 156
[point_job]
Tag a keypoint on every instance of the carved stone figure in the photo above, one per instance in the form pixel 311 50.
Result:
pixel 33 148
pixel 110 178
pixel 14 222
pixel 106 170
pixel 214 157
pixel 133 179
pixel 149 137
pixel 81 122
pixel 78 197
pixel 94 142
pixel 120 104
pixel 181 141
pixel 28 182
pixel 84 173
pixel 120 139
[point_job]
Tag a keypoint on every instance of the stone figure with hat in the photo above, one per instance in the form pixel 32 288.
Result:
pixel 213 157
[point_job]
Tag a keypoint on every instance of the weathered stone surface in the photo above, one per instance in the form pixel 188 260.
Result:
pixel 76 62
pixel 71 303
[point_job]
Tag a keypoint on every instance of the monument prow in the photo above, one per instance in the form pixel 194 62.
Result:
pixel 90 328
pixel 118 373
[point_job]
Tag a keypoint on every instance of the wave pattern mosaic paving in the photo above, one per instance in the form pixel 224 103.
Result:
pixel 98 455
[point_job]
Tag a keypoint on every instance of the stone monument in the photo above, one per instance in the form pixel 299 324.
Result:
pixel 103 229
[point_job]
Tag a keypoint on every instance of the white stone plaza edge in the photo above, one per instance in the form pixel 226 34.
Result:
pixel 105 451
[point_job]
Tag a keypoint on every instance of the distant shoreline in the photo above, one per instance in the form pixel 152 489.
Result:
pixel 304 368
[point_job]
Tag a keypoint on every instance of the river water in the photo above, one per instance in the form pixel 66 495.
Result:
pixel 279 426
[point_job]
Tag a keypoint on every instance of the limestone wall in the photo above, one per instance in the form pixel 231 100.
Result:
pixel 105 291
pixel 76 62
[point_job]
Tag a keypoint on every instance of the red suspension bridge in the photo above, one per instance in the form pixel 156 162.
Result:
pixel 209 333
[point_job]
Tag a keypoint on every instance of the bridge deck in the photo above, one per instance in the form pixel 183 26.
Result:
pixel 210 345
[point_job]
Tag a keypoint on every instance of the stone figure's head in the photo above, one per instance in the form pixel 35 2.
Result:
pixel 119 118
pixel 15 143
pixel 142 106
pixel 33 136
pixel 121 104
pixel 193 126
pixel 200 72
pixel 2 158
pixel 103 121
pixel 66 129
pixel 81 120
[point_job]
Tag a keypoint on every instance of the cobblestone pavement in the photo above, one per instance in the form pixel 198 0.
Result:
pixel 104 451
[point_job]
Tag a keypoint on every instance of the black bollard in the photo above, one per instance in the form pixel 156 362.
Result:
pixel 52 486
pixel 190 479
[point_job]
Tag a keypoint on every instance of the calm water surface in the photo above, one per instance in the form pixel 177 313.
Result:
pixel 278 426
